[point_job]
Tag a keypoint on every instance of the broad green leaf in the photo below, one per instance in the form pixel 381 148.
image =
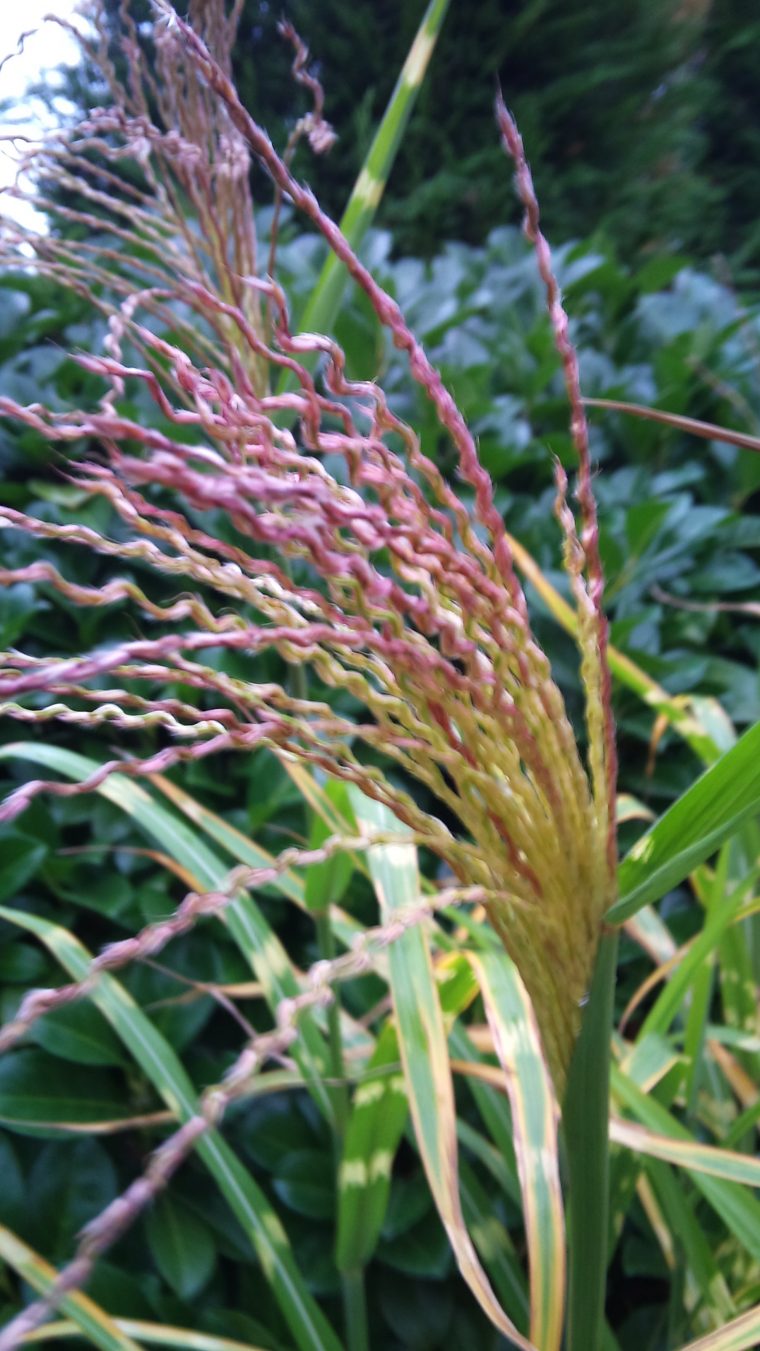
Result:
pixel 365 198
pixel 160 1064
pixel 14 1182
pixel 21 963
pixel 709 812
pixel 78 1032
pixel 421 1250
pixel 85 1315
pixel 255 938
pixel 20 858
pixel 36 1090
pixel 741 1334
pixel 535 1116
pixel 304 1185
pixel 67 1185
pixel 423 1048
pixel 181 1244
pixel 291 885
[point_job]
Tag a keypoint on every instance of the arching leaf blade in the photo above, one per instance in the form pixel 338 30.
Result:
pixel 160 1064
pixel 254 936
pixel 711 811
pixel 741 1334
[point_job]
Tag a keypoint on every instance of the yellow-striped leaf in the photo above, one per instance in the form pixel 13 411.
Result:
pixel 424 1051
pixel 374 1132
pixel 689 1154
pixel 741 1334
pixel 737 1208
pixel 535 1117
pixel 86 1317
pixel 153 1334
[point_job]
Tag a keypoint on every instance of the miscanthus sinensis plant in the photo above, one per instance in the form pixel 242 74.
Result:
pixel 354 559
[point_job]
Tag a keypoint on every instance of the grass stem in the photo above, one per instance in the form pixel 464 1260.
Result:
pixel 586 1129
pixel 355 1310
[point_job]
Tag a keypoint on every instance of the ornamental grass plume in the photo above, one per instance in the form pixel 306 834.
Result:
pixel 377 577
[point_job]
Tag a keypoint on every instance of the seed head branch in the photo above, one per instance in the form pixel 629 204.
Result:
pixel 606 774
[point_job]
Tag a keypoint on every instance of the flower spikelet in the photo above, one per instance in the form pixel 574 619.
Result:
pixel 397 595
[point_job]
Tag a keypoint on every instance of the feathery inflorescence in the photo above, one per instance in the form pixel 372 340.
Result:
pixel 379 578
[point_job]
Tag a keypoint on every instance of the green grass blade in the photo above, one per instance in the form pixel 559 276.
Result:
pixel 694 1249
pixel 424 1050
pixel 376 1126
pixel 160 1064
pixel 495 1246
pixel 743 1123
pixel 247 925
pixel 535 1117
pixel 738 952
pixel 87 1318
pixel 694 1034
pixel 738 1209
pixel 741 1334
pixel 365 198
pixel 709 812
pixel 671 999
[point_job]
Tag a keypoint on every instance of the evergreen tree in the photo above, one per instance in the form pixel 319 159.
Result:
pixel 642 121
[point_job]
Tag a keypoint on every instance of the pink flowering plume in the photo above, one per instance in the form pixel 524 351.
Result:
pixel 378 579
